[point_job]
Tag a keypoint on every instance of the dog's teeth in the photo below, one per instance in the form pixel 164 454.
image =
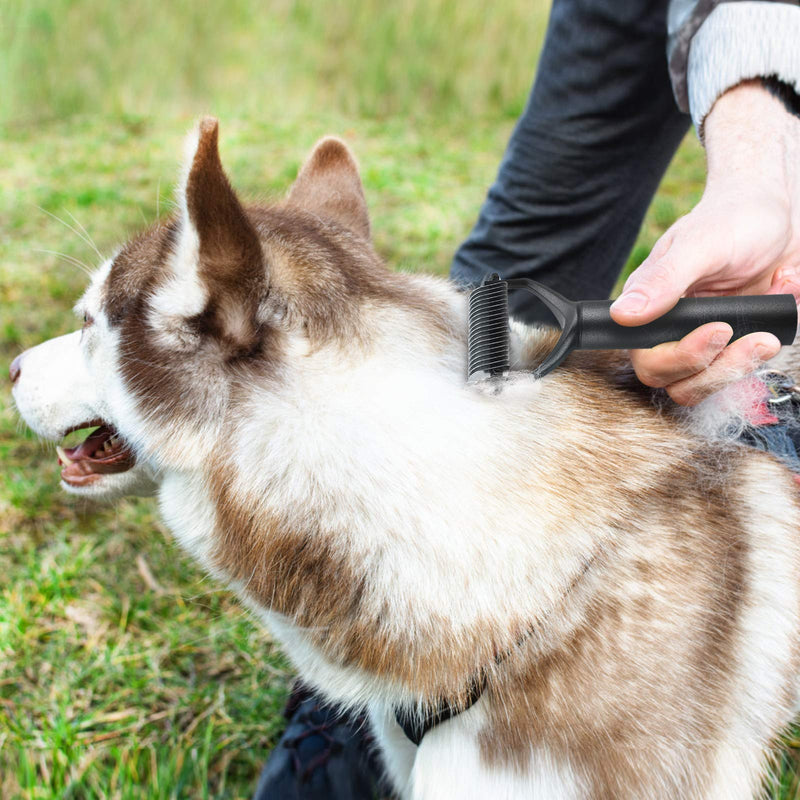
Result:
pixel 63 456
pixel 107 445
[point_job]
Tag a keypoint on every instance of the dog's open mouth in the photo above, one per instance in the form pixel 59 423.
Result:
pixel 101 453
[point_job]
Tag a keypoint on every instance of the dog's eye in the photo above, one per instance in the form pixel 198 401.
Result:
pixel 87 320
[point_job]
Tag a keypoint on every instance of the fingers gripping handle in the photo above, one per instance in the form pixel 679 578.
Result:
pixel 776 314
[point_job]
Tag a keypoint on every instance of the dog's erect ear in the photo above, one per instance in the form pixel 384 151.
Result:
pixel 218 241
pixel 329 185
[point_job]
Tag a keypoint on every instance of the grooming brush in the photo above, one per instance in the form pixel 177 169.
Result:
pixel 587 324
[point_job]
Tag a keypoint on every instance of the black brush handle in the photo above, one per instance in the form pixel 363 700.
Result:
pixel 772 313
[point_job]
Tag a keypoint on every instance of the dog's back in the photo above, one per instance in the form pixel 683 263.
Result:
pixel 682 664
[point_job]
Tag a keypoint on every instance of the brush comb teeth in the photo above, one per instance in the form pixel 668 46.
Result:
pixel 588 325
pixel 489 337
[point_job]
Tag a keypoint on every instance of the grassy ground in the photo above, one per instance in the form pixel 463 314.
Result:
pixel 124 672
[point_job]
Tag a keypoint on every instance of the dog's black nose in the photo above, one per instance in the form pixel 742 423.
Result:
pixel 15 370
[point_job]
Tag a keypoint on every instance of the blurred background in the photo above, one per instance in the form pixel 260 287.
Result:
pixel 124 672
pixel 415 58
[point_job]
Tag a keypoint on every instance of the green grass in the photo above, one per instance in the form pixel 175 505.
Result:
pixel 124 672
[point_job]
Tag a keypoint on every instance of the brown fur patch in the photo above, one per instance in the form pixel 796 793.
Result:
pixel 138 269
pixel 636 695
pixel 323 278
pixel 327 277
pixel 294 570
pixel 322 274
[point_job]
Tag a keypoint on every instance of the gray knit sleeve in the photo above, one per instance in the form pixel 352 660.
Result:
pixel 714 45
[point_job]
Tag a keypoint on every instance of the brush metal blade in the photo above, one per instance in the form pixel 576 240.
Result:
pixel 488 333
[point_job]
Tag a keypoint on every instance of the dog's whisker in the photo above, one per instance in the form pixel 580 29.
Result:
pixel 81 236
pixel 76 262
pixel 87 234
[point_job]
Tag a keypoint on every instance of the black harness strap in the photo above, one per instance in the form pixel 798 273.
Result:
pixel 784 92
pixel 415 727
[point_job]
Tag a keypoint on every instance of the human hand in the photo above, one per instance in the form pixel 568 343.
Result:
pixel 743 237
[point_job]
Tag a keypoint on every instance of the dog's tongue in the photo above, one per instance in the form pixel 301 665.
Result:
pixel 89 446
pixel 102 452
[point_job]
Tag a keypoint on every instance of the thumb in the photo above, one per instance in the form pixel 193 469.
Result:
pixel 682 256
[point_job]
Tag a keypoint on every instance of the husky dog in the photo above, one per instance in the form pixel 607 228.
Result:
pixel 624 592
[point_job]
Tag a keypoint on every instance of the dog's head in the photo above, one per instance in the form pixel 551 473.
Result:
pixel 197 310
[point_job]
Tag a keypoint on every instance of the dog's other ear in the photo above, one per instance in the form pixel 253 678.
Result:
pixel 217 241
pixel 329 185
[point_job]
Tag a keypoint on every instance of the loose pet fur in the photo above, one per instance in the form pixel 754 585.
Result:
pixel 626 587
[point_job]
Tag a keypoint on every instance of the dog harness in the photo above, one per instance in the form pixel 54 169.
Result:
pixel 772 400
pixel 774 418
pixel 416 727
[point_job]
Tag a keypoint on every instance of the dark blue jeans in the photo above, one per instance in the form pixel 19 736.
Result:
pixel 585 158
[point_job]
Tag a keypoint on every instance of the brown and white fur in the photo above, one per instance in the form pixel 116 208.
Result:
pixel 629 590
